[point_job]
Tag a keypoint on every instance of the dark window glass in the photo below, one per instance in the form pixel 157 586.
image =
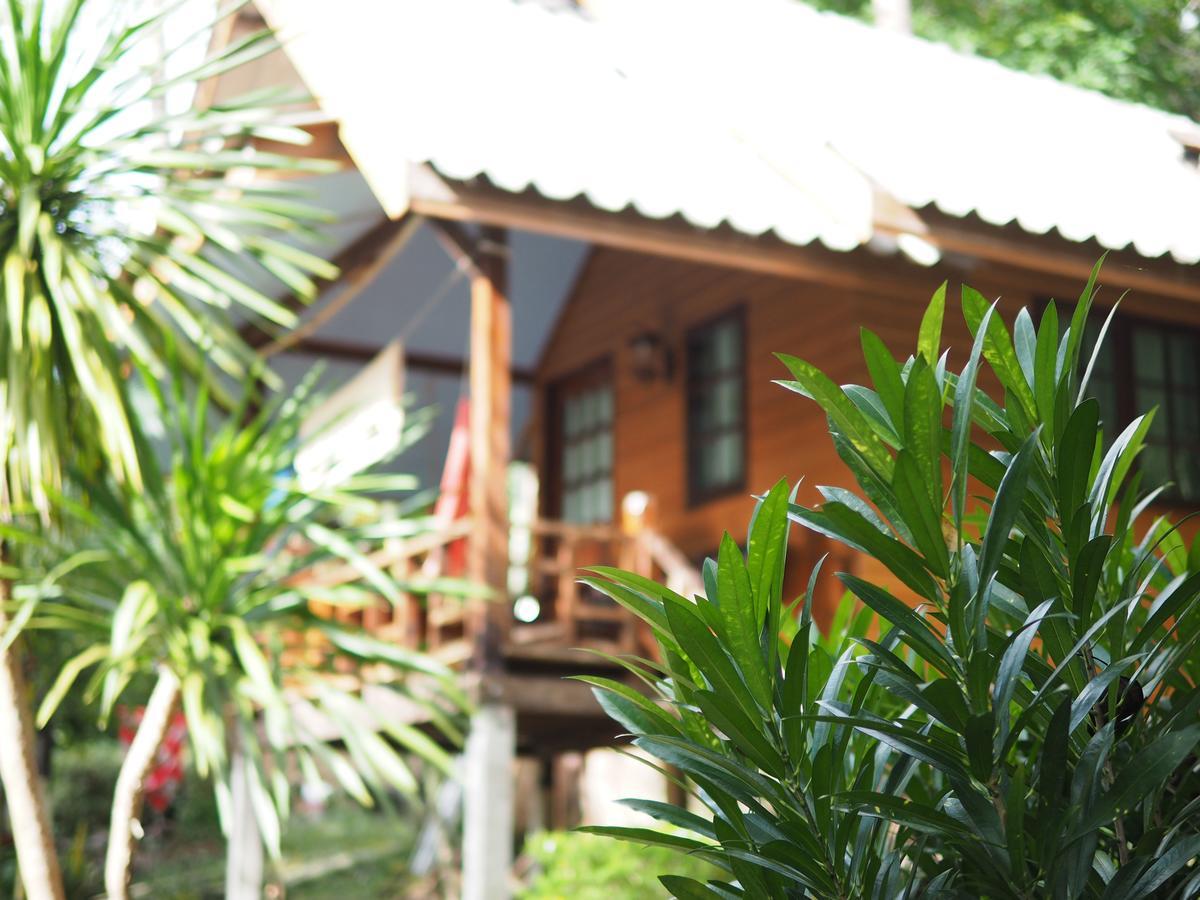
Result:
pixel 1103 383
pixel 586 448
pixel 1164 365
pixel 716 415
pixel 1144 365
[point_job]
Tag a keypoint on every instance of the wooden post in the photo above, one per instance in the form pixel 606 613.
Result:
pixel 490 415
pixel 565 799
pixel 488 802
pixel 638 510
pixel 407 613
pixel 491 744
pixel 567 589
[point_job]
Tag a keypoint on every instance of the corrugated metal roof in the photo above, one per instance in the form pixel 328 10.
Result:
pixel 760 114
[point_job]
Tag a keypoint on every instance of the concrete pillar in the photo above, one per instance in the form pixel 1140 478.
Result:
pixel 488 803
pixel 244 855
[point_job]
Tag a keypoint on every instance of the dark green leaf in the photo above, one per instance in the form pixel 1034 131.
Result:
pixel 930 336
pixel 1074 455
pixel 1145 772
pixel 923 428
pixel 844 524
pixel 923 516
pixel 916 633
pixel 813 383
pixel 1045 368
pixel 978 739
pixel 742 619
pixel 964 394
pixel 687 888
pixel 998 350
pixel 885 374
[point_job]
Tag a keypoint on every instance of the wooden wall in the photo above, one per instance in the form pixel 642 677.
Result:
pixel 621 294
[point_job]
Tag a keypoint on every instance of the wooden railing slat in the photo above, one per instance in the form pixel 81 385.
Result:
pixel 442 624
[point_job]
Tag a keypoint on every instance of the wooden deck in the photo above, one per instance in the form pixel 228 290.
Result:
pixel 571 618
pixel 575 630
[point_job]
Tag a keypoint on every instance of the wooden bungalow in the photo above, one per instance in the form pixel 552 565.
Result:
pixel 635 203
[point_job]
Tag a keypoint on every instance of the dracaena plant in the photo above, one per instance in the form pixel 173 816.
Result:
pixel 198 578
pixel 1021 717
pixel 119 230
pixel 117 227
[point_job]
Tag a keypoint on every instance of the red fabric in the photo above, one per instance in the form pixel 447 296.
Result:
pixel 164 779
pixel 452 501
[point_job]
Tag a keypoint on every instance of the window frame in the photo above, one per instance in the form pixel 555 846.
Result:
pixel 698 494
pixel 600 370
pixel 1124 376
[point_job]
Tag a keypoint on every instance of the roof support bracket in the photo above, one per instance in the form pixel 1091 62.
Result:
pixel 471 255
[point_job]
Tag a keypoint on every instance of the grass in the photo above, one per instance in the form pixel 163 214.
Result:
pixel 345 852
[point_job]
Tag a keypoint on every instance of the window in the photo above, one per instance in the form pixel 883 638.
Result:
pixel 1103 383
pixel 716 400
pixel 585 447
pixel 1146 364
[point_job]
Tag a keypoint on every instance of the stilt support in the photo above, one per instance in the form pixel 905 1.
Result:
pixel 488 801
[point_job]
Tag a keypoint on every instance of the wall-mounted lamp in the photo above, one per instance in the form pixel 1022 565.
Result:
pixel 651 357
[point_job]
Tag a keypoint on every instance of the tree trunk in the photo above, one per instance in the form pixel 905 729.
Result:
pixel 27 809
pixel 244 850
pixel 893 15
pixel 124 828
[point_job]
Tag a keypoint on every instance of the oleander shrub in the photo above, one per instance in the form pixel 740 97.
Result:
pixel 1012 714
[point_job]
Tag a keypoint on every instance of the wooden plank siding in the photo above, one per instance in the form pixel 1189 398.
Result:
pixel 621 294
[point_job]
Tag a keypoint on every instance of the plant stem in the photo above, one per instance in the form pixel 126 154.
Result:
pixel 1109 774
pixel 1122 844
pixel 131 783
pixel 27 809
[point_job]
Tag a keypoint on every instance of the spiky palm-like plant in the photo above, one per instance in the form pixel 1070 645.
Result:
pixel 194 576
pixel 117 230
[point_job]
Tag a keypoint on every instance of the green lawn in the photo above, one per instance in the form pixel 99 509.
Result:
pixel 347 852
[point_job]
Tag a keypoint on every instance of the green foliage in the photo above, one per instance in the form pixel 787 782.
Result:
pixel 81 785
pixel 126 246
pixel 81 788
pixel 344 851
pixel 194 574
pixel 117 230
pixel 1140 51
pixel 1027 729
pixel 574 866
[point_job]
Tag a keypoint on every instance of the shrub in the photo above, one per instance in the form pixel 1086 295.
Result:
pixel 82 784
pixel 586 867
pixel 1025 727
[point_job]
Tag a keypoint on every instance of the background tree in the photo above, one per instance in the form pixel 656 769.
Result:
pixel 118 233
pixel 1147 52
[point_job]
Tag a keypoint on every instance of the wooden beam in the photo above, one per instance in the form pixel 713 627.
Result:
pixel 1011 247
pixel 490 422
pixel 352 351
pixel 458 245
pixel 352 283
pixel 358 265
pixel 435 197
